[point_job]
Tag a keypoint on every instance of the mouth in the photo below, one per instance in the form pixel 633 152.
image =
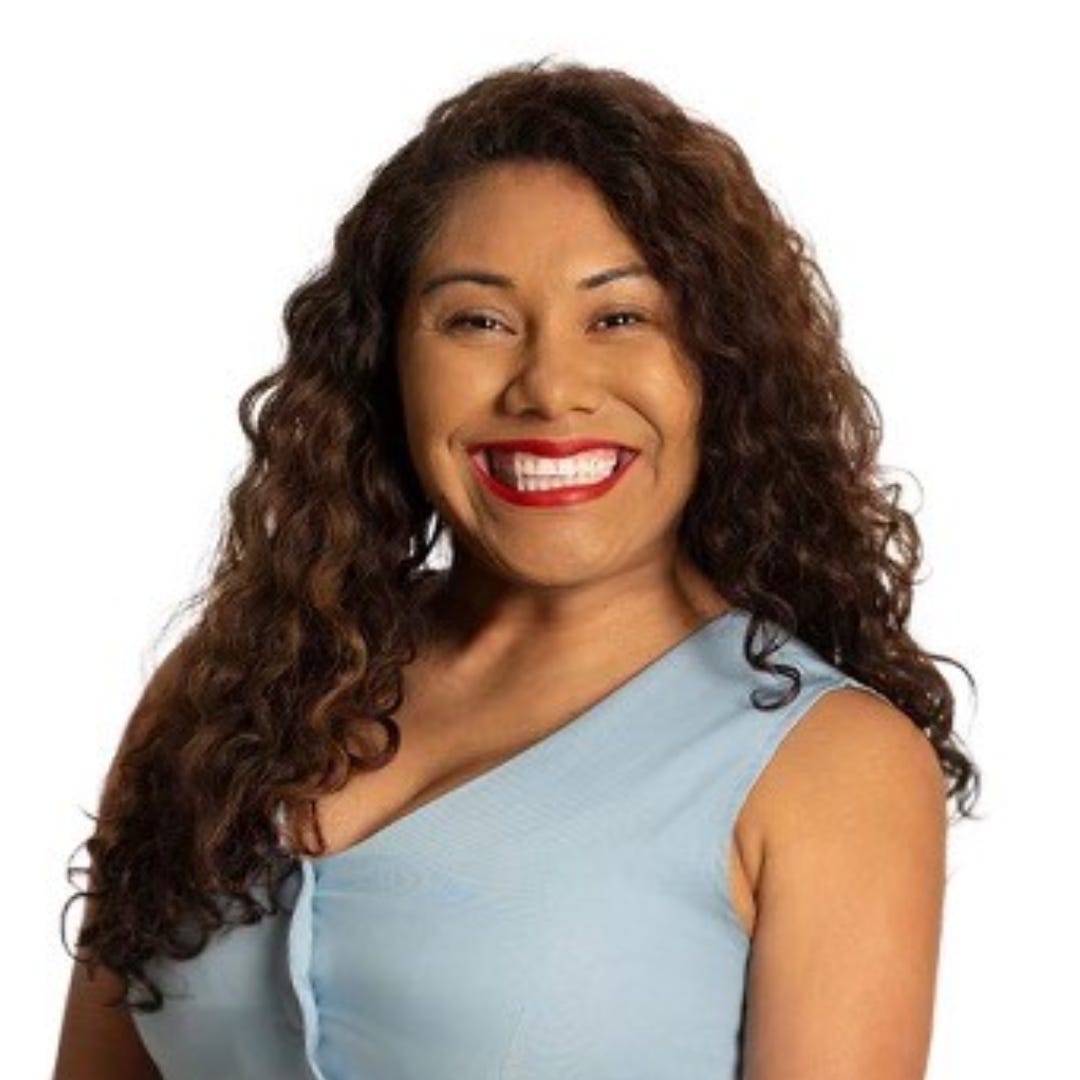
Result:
pixel 501 467
pixel 551 481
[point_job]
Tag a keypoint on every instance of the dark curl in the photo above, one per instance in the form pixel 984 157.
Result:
pixel 315 600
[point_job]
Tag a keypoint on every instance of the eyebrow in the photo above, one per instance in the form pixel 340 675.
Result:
pixel 487 277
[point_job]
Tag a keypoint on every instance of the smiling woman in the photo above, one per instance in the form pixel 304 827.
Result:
pixel 558 352
pixel 650 781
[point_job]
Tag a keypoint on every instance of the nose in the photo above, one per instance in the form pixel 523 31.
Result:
pixel 553 374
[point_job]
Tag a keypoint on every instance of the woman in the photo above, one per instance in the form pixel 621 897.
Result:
pixel 648 782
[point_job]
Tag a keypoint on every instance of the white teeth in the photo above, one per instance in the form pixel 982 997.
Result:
pixel 530 472
pixel 536 465
pixel 547 482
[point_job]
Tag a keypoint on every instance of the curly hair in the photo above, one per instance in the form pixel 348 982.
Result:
pixel 315 599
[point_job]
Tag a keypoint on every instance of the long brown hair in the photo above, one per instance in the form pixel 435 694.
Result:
pixel 314 602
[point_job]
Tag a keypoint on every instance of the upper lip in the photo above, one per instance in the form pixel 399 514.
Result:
pixel 549 447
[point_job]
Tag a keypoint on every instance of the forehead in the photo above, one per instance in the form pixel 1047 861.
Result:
pixel 528 217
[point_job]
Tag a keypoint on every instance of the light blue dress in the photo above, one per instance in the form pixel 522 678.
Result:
pixel 563 916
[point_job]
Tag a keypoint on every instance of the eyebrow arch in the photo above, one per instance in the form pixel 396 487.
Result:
pixel 487 277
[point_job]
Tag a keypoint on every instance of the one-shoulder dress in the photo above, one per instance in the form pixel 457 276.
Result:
pixel 564 915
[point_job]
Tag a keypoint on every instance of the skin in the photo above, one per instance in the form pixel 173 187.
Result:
pixel 96 1041
pixel 838 868
pixel 846 833
pixel 593 580
pixel 838 862
pixel 601 585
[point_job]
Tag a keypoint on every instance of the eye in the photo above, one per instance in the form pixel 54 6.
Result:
pixel 474 320
pixel 622 314
pixel 469 319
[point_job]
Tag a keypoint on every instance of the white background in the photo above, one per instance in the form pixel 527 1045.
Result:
pixel 172 171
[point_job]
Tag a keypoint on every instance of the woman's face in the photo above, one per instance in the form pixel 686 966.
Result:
pixel 538 355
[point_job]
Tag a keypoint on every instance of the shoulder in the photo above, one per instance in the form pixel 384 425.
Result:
pixel 853 768
pixel 851 822
pixel 852 750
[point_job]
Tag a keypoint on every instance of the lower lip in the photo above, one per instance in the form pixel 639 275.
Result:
pixel 560 496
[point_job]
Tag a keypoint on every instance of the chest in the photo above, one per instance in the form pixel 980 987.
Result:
pixel 449 737
pixel 441 752
pixel 549 956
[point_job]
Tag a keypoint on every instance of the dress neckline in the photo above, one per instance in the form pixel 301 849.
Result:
pixel 646 677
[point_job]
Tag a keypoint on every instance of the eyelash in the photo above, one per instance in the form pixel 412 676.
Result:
pixel 465 317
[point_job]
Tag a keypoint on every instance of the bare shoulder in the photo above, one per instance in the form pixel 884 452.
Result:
pixel 851 748
pixel 850 822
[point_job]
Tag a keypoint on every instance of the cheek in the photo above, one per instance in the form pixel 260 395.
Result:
pixel 670 398
pixel 685 405
pixel 435 411
pixel 426 401
pixel 420 418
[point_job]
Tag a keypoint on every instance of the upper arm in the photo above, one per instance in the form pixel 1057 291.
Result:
pixel 97 1040
pixel 849 898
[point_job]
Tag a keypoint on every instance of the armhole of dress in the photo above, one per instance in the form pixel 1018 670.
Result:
pixel 754 767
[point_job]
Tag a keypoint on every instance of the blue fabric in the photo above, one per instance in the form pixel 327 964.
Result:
pixel 563 915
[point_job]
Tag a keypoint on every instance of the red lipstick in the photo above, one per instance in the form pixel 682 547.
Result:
pixel 557 496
